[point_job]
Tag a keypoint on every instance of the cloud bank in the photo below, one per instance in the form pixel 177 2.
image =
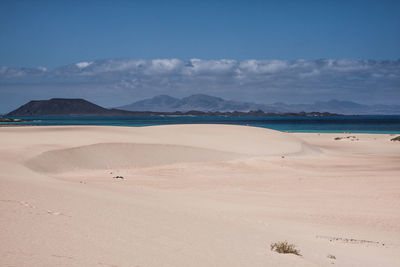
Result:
pixel 114 82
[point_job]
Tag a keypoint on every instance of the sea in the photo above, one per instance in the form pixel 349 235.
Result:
pixel 389 124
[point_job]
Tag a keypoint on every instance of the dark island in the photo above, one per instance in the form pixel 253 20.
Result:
pixel 81 107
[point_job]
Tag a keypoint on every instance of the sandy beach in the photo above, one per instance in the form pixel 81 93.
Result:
pixel 197 195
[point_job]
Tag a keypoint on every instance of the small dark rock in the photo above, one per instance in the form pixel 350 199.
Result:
pixel 330 256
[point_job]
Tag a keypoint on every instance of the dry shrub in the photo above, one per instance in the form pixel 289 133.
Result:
pixel 285 247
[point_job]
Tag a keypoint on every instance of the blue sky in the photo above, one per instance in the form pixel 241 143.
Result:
pixel 54 33
pixel 264 51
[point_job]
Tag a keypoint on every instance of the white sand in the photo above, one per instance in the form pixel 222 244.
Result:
pixel 196 195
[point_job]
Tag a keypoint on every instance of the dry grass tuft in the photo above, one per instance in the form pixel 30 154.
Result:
pixel 285 247
pixel 395 139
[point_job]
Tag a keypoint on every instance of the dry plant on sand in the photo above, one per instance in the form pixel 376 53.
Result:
pixel 285 247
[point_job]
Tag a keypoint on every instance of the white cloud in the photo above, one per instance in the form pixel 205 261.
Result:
pixel 260 79
pixel 83 64
pixel 8 72
pixel 212 67
pixel 263 66
pixel 162 66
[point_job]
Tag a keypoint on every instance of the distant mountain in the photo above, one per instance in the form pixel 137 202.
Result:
pixel 199 102
pixel 206 103
pixel 157 103
pixel 342 107
pixel 63 106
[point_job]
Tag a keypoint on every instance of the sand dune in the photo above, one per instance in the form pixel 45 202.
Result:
pixel 196 195
pixel 174 144
pixel 123 155
pixel 229 138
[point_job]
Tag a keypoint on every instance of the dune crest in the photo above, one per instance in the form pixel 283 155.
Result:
pixel 230 138
pixel 162 145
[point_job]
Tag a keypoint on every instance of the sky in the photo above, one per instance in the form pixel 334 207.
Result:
pixel 261 51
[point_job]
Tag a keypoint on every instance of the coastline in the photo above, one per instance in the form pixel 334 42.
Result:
pixel 390 133
pixel 388 124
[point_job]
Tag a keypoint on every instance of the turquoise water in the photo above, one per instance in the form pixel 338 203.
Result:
pixel 356 124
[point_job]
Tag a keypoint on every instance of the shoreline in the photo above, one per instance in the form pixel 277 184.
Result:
pixel 392 133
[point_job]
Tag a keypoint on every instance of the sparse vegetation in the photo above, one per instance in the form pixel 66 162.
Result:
pixel 285 247
pixel 396 138
pixel 352 138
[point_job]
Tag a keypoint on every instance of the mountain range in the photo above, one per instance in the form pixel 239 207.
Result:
pixel 82 107
pixel 206 103
pixel 198 104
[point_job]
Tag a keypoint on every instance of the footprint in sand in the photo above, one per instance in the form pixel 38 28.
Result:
pixel 54 212
pixel 350 240
pixel 62 256
pixel 57 213
pixel 23 203
pixel 26 204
